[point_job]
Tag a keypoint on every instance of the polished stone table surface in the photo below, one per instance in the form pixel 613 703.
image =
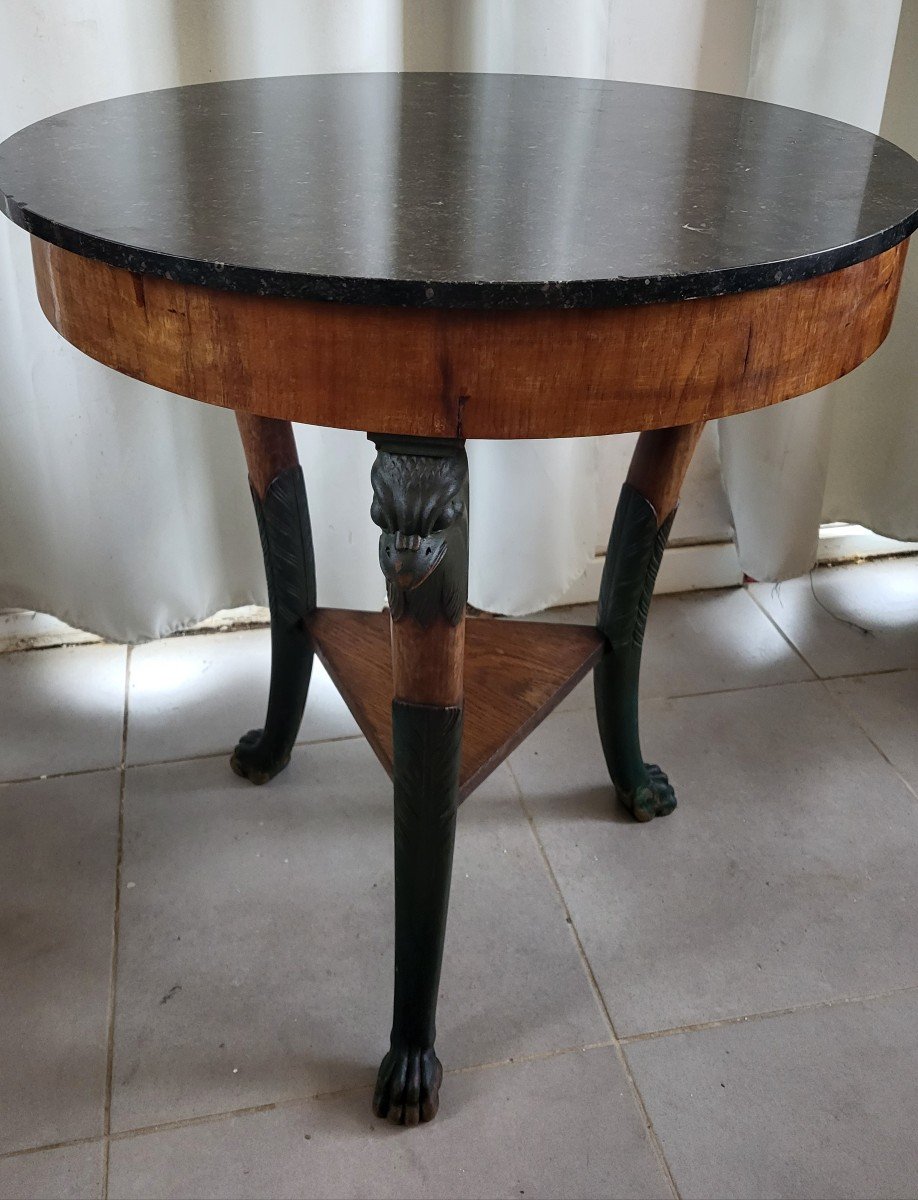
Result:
pixel 455 190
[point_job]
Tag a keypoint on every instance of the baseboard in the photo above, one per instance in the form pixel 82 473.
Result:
pixel 22 630
pixel 840 542
pixel 705 565
pixel 685 568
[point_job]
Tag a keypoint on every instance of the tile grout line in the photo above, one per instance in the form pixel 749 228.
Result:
pixel 318 1097
pixel 23 1151
pixel 330 1094
pixel 164 762
pixel 59 775
pixel 663 697
pixel 653 1136
pixel 227 752
pixel 825 680
pixel 786 636
pixel 768 1014
pixel 289 1102
pixel 838 702
pixel 116 930
pixel 349 737
pixel 617 1042
pixel 540 1056
pixel 849 711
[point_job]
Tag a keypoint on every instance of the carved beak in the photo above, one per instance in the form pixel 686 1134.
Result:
pixel 408 559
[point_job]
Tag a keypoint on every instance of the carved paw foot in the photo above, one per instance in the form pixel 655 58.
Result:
pixel 251 760
pixel 408 1086
pixel 655 798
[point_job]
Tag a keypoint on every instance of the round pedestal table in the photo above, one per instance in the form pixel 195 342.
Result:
pixel 436 257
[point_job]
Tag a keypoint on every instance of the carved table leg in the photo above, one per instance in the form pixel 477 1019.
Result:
pixel 421 504
pixel 641 527
pixel 279 495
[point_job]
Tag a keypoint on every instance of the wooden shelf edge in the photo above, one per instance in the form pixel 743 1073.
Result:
pixel 516 673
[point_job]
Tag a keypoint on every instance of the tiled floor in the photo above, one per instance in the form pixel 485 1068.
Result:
pixel 721 1004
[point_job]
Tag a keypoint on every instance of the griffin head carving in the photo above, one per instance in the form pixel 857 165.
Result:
pixel 419 503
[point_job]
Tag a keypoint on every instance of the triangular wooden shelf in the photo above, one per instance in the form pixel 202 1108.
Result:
pixel 515 674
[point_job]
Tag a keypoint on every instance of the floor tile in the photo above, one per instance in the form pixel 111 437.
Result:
pixel 886 706
pixel 256 933
pixel 847 620
pixel 702 642
pixel 713 641
pixel 557 1127
pixel 61 710
pixel 68 1173
pixel 787 874
pixel 812 1104
pixel 196 695
pixel 58 850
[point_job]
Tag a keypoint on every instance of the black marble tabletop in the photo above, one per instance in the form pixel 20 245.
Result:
pixel 451 190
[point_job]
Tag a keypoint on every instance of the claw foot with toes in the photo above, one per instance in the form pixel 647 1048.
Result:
pixel 655 798
pixel 252 761
pixel 408 1086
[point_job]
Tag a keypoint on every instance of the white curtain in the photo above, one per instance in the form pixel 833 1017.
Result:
pixel 825 454
pixel 124 509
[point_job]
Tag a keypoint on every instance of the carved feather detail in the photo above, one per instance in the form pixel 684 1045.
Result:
pixel 286 541
pixel 633 559
pixel 420 503
pixel 417 493
pixel 653 567
pixel 426 751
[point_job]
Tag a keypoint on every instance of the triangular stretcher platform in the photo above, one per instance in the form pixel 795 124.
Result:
pixel 516 672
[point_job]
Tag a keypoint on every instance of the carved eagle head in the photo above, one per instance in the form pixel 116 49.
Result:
pixel 408 559
pixel 416 499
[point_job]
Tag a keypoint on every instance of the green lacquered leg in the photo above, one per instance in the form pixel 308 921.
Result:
pixel 420 502
pixel 633 558
pixel 426 744
pixel 283 523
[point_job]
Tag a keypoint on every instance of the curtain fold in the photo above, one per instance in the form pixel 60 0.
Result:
pixel 125 509
pixel 871 476
pixel 832 57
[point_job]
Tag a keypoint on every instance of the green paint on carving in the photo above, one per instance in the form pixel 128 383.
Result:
pixel 633 559
pixel 286 543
